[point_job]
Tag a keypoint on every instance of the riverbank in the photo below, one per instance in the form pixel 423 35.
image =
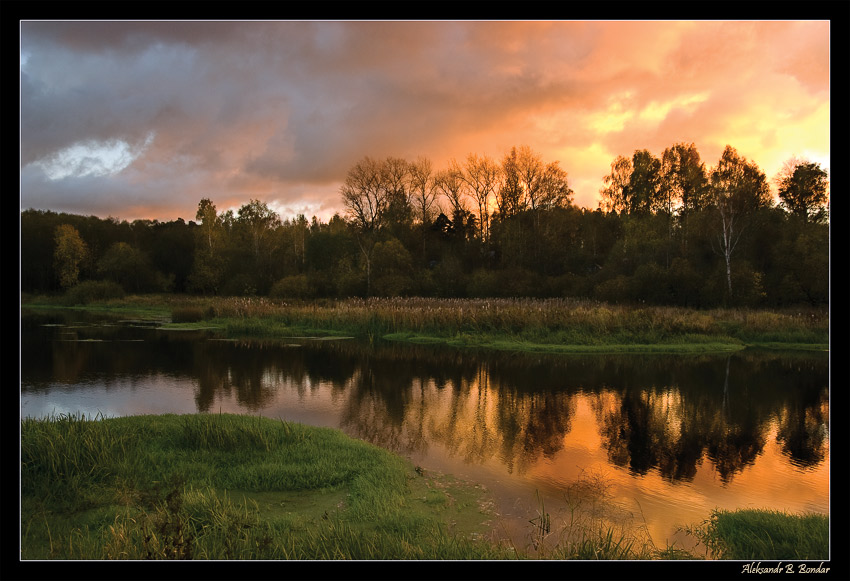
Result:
pixel 534 325
pixel 221 486
pixel 234 487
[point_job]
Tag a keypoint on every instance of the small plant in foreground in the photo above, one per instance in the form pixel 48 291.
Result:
pixel 763 534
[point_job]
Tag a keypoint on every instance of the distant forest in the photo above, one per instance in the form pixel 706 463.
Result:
pixel 668 231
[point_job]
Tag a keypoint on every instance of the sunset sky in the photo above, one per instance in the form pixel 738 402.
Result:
pixel 143 119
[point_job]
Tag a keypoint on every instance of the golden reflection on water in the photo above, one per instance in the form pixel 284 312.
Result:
pixel 666 461
pixel 667 439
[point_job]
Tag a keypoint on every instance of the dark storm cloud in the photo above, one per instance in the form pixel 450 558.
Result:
pixel 281 110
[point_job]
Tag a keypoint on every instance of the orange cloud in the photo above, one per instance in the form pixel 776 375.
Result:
pixel 281 110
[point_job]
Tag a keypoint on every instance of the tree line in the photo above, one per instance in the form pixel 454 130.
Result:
pixel 668 230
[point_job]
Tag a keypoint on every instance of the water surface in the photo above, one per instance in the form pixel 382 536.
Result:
pixel 668 438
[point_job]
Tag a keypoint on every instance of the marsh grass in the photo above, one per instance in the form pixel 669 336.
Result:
pixel 73 451
pixel 188 314
pixel 764 534
pixel 221 486
pixel 502 323
pixel 592 526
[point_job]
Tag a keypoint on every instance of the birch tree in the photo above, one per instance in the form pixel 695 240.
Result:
pixel 738 188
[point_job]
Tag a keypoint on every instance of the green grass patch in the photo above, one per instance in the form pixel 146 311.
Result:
pixel 232 487
pixel 220 486
pixel 764 535
pixel 519 345
pixel 791 346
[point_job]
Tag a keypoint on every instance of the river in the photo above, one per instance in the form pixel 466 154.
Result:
pixel 648 441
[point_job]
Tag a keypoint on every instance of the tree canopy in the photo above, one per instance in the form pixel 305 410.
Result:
pixel 668 230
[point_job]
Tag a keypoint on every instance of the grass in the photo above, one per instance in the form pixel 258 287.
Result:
pixel 764 534
pixel 222 486
pixel 495 343
pixel 537 325
pixel 232 487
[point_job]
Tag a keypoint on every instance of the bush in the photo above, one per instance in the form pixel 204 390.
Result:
pixel 650 284
pixel 685 284
pixel 747 285
pixel 615 290
pixel 291 287
pixel 392 285
pixel 515 282
pixel 93 290
pixel 449 276
pixel 483 284
pixel 240 285
pixel 187 314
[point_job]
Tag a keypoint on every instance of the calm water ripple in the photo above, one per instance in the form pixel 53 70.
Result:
pixel 662 440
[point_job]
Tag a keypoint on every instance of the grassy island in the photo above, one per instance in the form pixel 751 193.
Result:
pixel 539 325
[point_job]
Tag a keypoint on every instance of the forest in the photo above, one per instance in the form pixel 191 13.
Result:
pixel 669 230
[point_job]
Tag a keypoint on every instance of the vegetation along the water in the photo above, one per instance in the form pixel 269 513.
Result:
pixel 552 325
pixel 220 486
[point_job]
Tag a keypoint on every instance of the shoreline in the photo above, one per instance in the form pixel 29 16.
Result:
pixel 527 325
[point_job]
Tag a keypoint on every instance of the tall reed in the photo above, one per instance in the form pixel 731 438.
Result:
pixel 67 455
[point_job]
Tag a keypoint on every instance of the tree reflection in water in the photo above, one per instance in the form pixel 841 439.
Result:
pixel 654 413
pixel 668 414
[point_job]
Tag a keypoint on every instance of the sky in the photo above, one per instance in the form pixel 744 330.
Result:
pixel 143 119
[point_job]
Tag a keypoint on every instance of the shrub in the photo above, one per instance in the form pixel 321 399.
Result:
pixel 615 290
pixel 519 282
pixel 187 314
pixel 483 283
pixel 240 285
pixel 392 285
pixel 291 287
pixel 650 284
pixel 93 290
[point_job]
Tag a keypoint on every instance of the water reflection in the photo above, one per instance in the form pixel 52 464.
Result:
pixel 664 414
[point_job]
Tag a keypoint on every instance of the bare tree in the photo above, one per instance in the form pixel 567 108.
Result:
pixel 451 184
pixel 530 168
pixel 364 195
pixel 482 175
pixel 423 190
pixel 509 196
pixel 395 172
pixel 395 179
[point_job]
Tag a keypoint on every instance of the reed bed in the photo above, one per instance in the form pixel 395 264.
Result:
pixel 488 321
pixel 554 321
